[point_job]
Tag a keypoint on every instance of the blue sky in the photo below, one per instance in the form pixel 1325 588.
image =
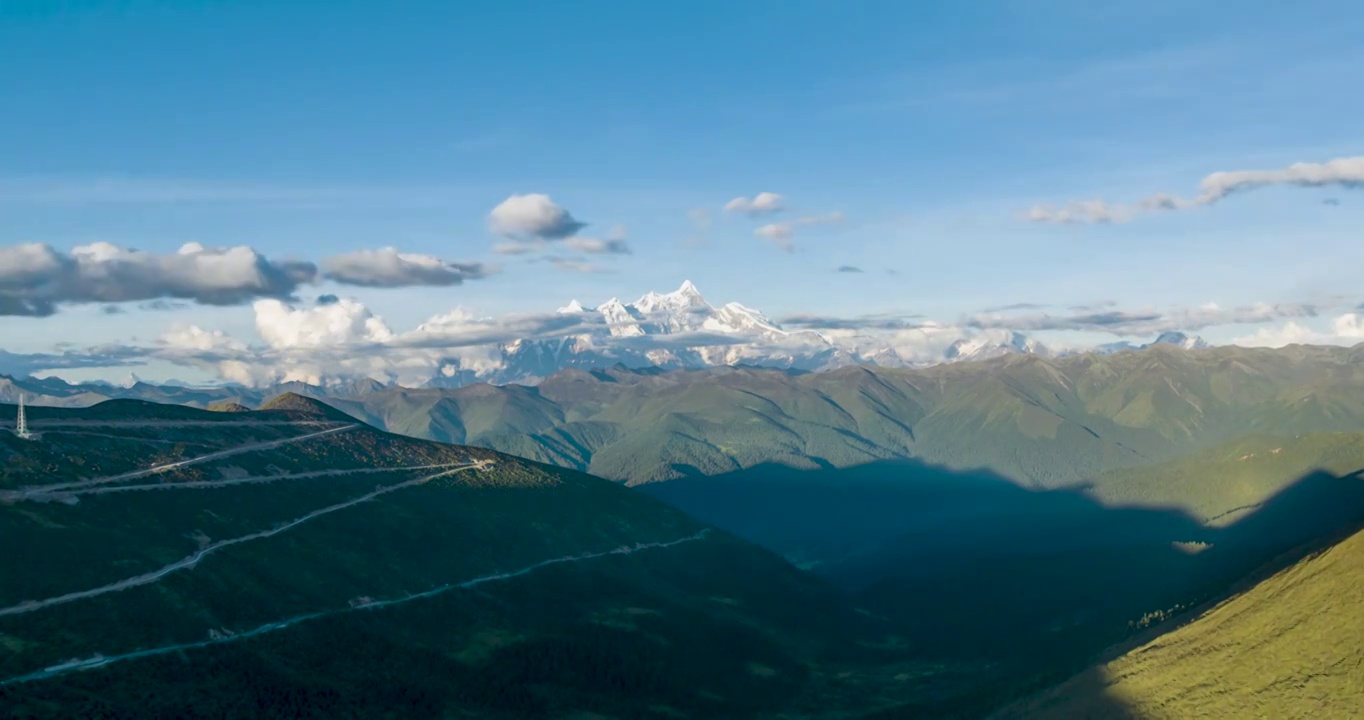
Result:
pixel 313 129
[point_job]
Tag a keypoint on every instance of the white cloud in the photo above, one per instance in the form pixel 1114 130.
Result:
pixel 1347 172
pixel 764 203
pixel 193 337
pixel 388 268
pixel 1346 329
pixel 343 322
pixel 35 279
pixel 1344 172
pixel 533 216
pixel 1082 211
pixel 778 234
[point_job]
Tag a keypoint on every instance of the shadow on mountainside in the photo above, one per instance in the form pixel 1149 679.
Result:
pixel 1030 585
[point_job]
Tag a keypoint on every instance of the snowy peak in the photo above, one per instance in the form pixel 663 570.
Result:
pixel 573 306
pixel 686 297
pixel 994 343
pixel 1179 339
pixel 1170 338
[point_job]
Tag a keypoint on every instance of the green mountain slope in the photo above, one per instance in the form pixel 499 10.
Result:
pixel 1041 422
pixel 162 561
pixel 1228 482
pixel 1286 648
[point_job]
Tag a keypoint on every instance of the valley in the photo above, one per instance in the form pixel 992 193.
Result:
pixel 950 575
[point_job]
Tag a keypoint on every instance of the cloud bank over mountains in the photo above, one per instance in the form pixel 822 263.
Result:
pixel 337 338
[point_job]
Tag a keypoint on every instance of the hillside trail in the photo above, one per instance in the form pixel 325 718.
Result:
pixel 251 480
pixel 99 661
pixel 190 561
pixel 30 491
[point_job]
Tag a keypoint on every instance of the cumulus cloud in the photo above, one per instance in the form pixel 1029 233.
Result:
pixel 764 203
pixel 36 278
pixel 388 268
pixel 1346 329
pixel 1347 172
pixel 344 322
pixel 533 216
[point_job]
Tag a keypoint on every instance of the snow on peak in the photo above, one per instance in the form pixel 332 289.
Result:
pixel 686 297
pixel 994 343
pixel 1182 340
pixel 573 306
pixel 1171 338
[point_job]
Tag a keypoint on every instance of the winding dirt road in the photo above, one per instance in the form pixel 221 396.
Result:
pixel 190 561
pixel 99 661
pixel 30 491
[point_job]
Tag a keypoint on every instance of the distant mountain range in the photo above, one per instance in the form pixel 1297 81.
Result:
pixel 704 336
pixel 683 330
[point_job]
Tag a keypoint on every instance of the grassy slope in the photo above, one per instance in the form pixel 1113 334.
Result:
pixel 1037 421
pixel 1287 648
pixel 1225 483
pixel 715 627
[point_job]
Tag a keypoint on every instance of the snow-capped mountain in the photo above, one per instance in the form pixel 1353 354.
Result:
pixel 1178 339
pixel 679 329
pixel 994 343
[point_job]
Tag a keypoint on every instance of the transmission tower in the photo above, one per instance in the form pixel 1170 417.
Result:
pixel 21 427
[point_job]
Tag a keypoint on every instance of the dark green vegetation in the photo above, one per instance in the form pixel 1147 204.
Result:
pixel 321 578
pixel 1288 647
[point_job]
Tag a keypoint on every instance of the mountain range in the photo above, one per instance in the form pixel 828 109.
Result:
pixel 669 331
pixel 1104 493
pixel 700 334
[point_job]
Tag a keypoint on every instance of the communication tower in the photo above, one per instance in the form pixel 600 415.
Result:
pixel 21 427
